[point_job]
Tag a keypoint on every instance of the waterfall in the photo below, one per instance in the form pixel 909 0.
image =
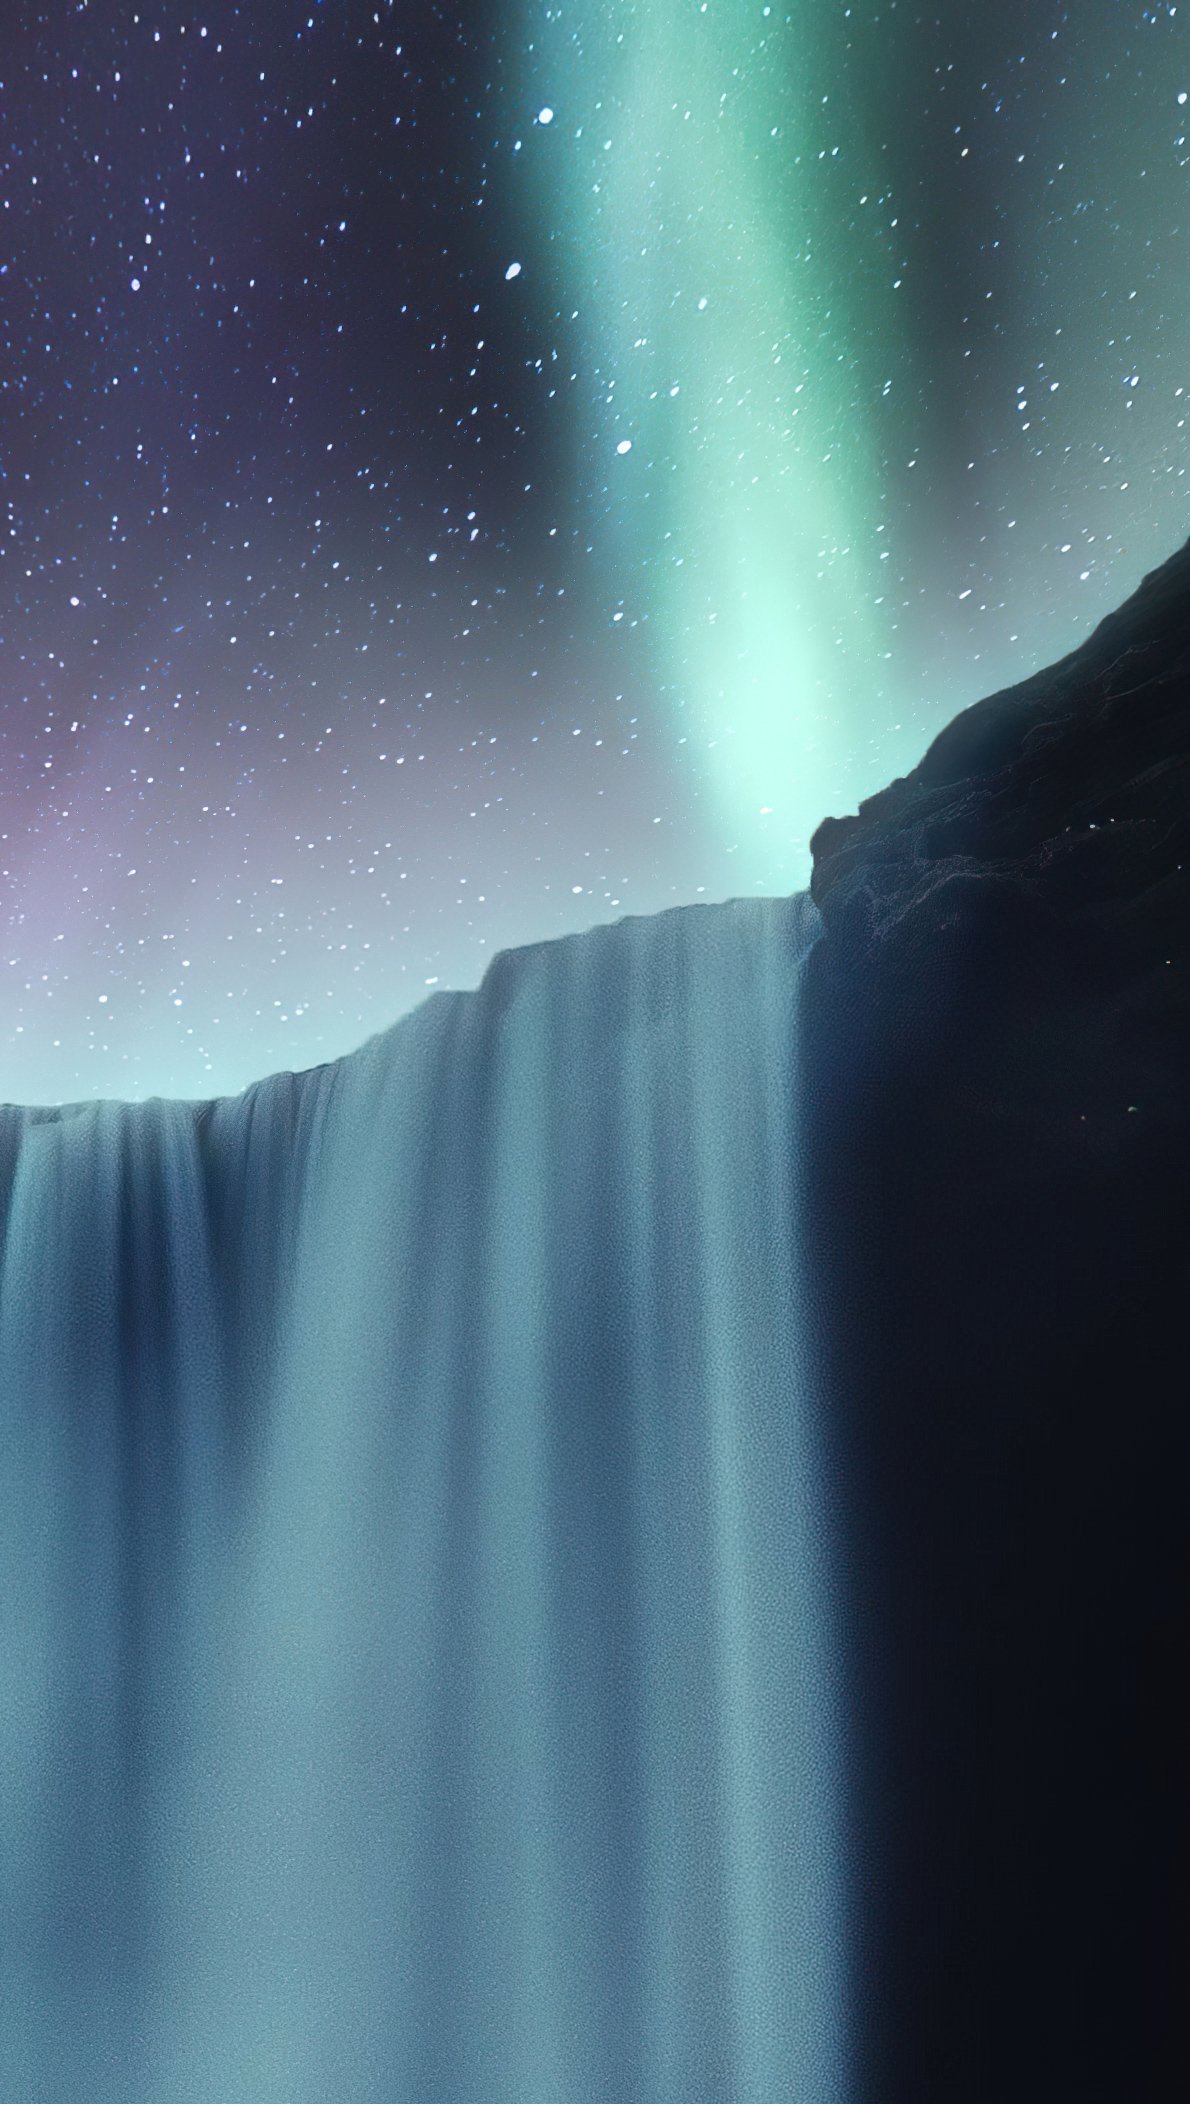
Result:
pixel 418 1672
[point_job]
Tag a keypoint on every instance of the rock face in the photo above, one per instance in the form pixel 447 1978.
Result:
pixel 996 1052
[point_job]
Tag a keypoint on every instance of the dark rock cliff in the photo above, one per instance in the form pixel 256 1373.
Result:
pixel 998 1064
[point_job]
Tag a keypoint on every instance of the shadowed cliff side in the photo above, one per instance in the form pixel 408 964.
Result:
pixel 997 1066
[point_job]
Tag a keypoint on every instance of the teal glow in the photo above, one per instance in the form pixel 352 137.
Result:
pixel 694 214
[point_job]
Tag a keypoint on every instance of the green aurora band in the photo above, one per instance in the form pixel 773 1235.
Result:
pixel 683 187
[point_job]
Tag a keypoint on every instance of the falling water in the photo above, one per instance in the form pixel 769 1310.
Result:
pixel 417 1667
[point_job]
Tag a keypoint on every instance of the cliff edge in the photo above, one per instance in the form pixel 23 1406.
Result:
pixel 997 1073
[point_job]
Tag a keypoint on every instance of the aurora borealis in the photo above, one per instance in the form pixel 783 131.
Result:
pixel 370 605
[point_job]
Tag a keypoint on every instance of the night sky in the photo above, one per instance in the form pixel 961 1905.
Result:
pixel 477 471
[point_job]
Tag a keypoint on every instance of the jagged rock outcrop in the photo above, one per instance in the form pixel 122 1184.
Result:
pixel 997 1068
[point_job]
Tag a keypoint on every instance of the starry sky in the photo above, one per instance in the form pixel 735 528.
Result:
pixel 476 471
